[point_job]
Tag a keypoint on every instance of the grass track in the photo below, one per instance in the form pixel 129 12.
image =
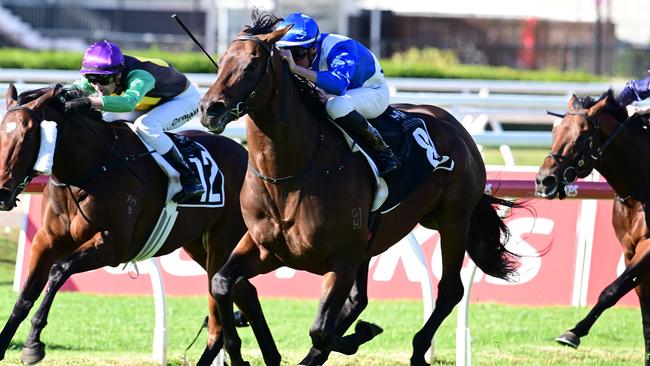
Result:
pixel 116 330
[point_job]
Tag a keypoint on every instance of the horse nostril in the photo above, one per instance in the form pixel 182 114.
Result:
pixel 216 108
pixel 549 181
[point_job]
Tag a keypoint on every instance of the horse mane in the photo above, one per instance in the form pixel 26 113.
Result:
pixel 612 107
pixel 263 22
pixel 59 98
pixel 311 97
pixel 31 95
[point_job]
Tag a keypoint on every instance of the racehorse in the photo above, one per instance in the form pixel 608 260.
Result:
pixel 597 134
pixel 306 198
pixel 104 196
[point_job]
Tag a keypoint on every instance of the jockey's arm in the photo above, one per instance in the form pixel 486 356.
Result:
pixel 336 79
pixel 139 83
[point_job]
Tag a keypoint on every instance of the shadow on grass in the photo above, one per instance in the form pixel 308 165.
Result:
pixel 14 345
pixel 443 362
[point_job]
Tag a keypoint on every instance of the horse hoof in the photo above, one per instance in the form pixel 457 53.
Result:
pixel 568 338
pixel 33 355
pixel 368 329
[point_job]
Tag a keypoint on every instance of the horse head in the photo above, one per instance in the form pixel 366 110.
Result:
pixel 20 139
pixel 578 142
pixel 244 69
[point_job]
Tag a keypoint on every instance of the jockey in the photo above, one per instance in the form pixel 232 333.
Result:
pixel 635 90
pixel 351 76
pixel 153 93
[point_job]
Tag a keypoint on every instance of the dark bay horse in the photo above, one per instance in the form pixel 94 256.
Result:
pixel 306 198
pixel 597 134
pixel 101 204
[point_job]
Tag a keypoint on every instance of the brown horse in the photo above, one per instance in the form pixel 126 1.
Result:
pixel 597 134
pixel 306 198
pixel 101 204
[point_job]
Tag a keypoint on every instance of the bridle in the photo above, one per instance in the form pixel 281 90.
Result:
pixel 591 153
pixel 241 108
pixel 39 118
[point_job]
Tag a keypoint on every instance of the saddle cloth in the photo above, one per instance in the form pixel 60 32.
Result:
pixel 204 165
pixel 201 162
pixel 409 139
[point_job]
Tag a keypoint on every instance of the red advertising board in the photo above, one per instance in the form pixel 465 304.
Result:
pixel 547 234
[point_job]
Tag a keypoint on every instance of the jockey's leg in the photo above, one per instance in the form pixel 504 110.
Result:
pixel 167 116
pixel 350 111
pixel 358 127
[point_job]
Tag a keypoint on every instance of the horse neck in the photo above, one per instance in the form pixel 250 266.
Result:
pixel 78 150
pixel 282 148
pixel 624 162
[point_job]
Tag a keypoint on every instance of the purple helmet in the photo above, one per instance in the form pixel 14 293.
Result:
pixel 103 58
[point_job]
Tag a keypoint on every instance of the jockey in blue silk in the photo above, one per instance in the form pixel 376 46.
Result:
pixel 149 91
pixel 348 73
pixel 635 90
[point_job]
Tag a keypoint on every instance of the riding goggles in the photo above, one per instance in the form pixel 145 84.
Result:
pixel 298 53
pixel 101 79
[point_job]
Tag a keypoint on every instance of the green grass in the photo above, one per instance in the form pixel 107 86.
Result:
pixel 116 330
pixel 8 245
pixel 523 156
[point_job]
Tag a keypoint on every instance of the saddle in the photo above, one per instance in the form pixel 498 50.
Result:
pixel 409 139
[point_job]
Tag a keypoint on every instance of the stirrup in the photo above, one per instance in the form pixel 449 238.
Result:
pixel 186 193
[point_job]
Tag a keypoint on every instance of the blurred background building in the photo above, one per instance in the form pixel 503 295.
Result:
pixel 602 36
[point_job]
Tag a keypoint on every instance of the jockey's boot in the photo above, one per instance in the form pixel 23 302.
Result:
pixel 358 127
pixel 191 186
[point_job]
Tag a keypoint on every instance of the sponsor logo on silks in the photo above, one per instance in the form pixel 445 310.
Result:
pixel 186 117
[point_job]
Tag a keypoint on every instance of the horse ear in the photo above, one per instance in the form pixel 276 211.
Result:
pixel 276 35
pixel 574 102
pixel 11 96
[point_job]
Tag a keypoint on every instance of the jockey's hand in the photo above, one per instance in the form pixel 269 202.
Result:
pixel 79 104
pixel 634 109
pixel 286 55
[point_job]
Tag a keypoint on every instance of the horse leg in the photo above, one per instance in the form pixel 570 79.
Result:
pixel 245 296
pixel 336 286
pixel 454 237
pixel 95 253
pixel 629 279
pixel 205 258
pixel 247 260
pixel 643 291
pixel 41 259
pixel 364 331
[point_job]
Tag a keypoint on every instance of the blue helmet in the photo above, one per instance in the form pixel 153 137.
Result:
pixel 303 33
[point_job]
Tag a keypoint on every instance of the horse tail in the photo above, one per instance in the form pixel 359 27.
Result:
pixel 487 235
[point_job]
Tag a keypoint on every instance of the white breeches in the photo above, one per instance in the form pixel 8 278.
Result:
pixel 369 101
pixel 151 125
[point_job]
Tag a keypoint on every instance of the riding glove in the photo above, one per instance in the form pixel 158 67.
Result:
pixel 79 104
